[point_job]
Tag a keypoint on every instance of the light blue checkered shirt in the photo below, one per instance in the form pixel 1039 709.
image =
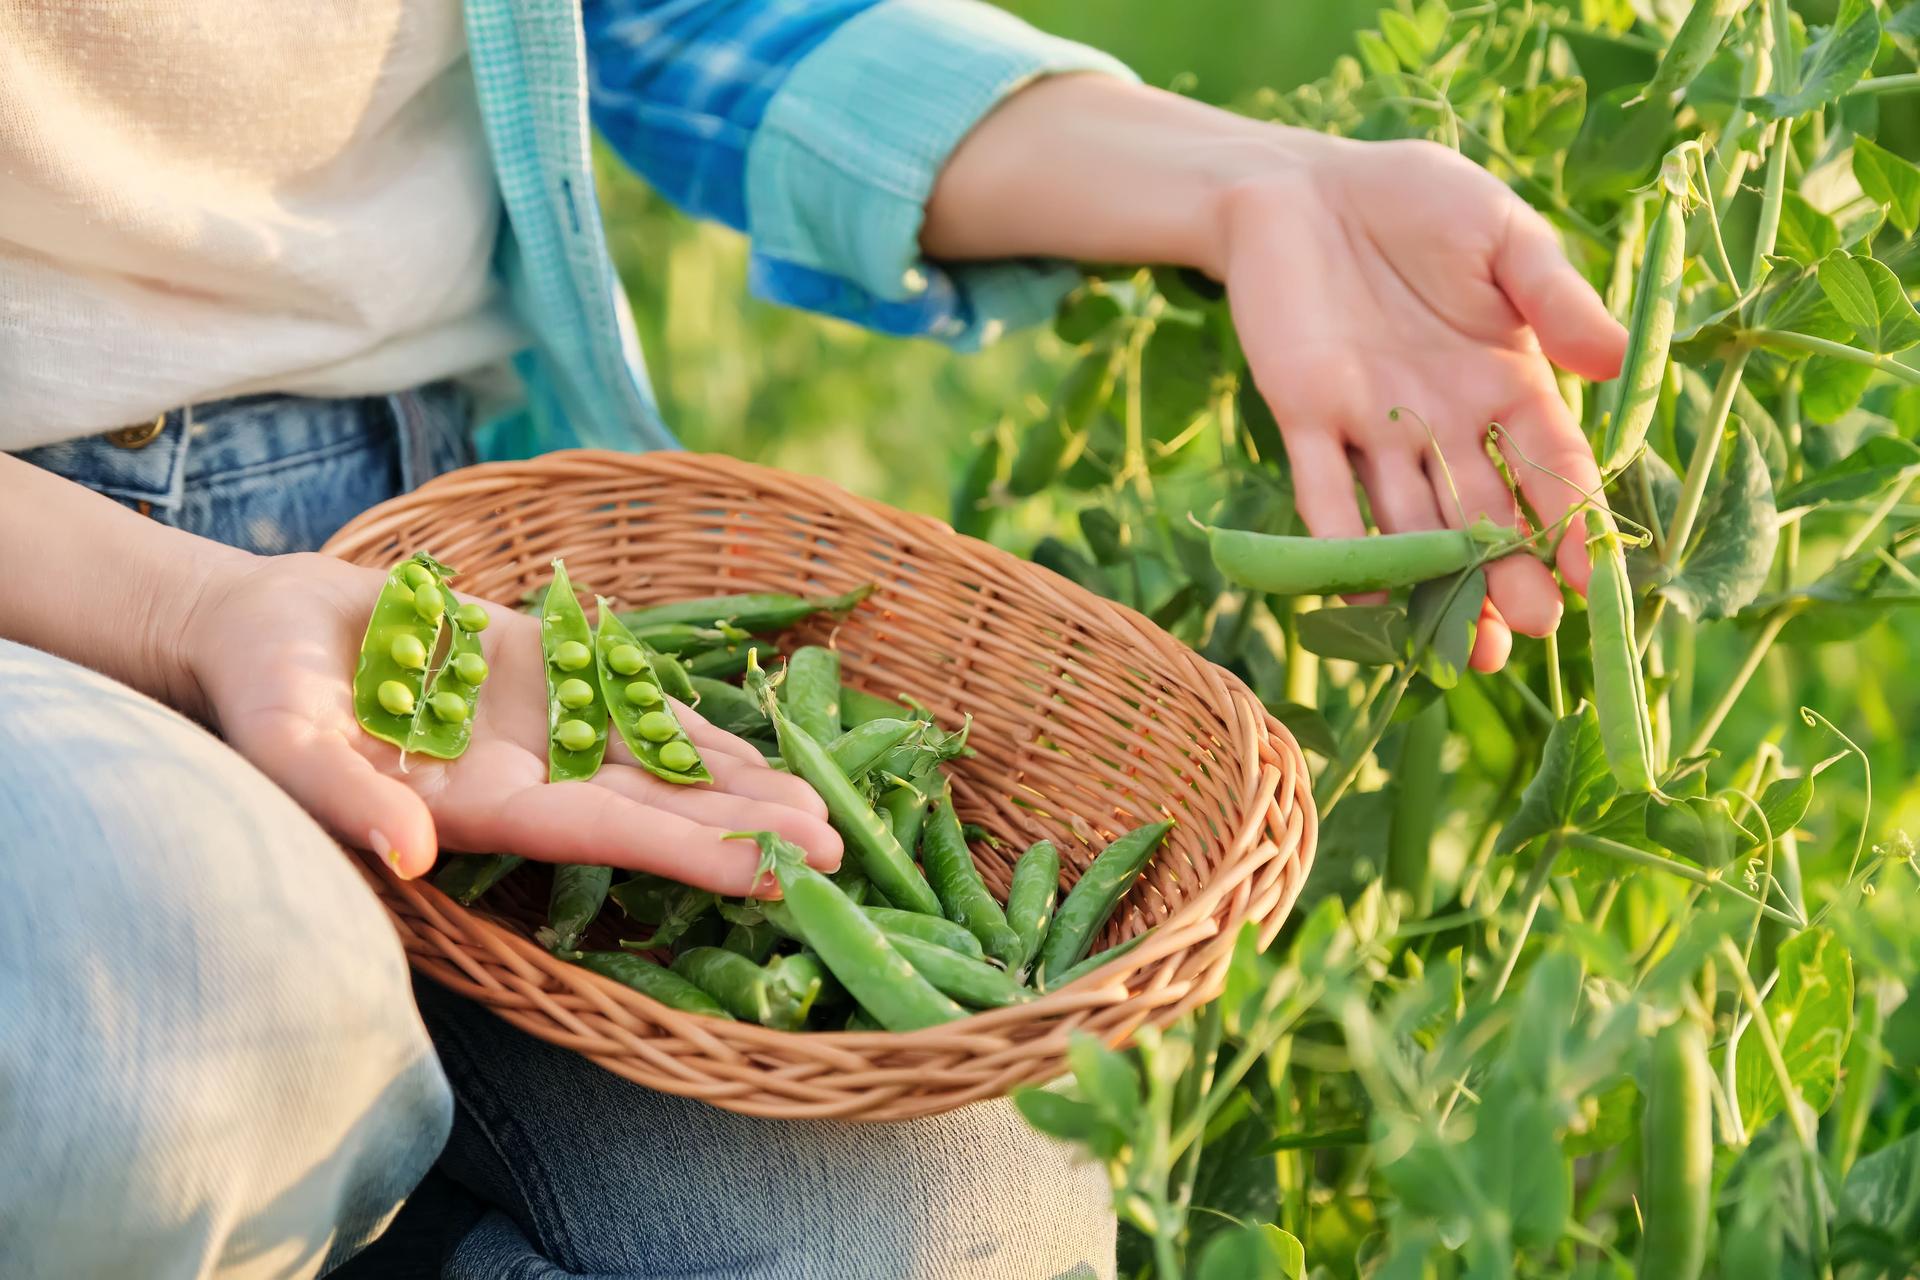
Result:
pixel 815 126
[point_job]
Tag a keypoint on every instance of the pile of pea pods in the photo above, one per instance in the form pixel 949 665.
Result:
pixel 905 935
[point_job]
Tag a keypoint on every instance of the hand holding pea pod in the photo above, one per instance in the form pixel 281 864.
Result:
pixel 274 644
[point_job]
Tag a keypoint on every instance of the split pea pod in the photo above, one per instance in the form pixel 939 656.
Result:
pixel 811 691
pixel 1093 962
pixel 1093 898
pixel 852 947
pixel 390 677
pixel 886 864
pixel 579 891
pixel 1676 1186
pixel 468 875
pixel 737 983
pixel 443 724
pixel 1297 566
pixel 576 709
pixel 759 612
pixel 957 883
pixel 1030 898
pixel 653 980
pixel 728 707
pixel 973 983
pixel 1619 689
pixel 1656 294
pixel 638 706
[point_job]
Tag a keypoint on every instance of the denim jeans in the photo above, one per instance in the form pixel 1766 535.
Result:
pixel 212 1061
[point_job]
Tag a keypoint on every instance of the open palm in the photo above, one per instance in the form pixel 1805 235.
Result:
pixel 1405 276
pixel 274 650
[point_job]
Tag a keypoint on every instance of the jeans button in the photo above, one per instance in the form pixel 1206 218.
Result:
pixel 139 435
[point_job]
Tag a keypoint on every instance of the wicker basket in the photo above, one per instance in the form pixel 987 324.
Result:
pixel 1087 720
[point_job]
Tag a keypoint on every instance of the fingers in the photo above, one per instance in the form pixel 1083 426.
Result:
pixel 1571 321
pixel 1557 473
pixel 1399 492
pixel 1519 586
pixel 709 739
pixel 352 799
pixel 1323 484
pixel 1492 641
pixel 728 810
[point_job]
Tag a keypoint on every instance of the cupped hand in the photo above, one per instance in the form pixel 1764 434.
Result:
pixel 273 645
pixel 1370 276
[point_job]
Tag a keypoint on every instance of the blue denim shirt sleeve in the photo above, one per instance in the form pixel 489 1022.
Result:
pixel 819 127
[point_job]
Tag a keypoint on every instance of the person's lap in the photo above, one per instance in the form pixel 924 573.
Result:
pixel 217 1059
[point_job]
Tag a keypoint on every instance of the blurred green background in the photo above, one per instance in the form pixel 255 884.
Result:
pixel 887 418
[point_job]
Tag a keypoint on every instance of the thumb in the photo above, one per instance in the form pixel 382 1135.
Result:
pixel 1570 320
pixel 355 801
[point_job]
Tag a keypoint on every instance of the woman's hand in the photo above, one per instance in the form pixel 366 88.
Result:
pixel 1363 277
pixel 272 644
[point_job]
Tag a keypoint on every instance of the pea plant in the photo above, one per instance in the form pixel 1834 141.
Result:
pixel 1603 968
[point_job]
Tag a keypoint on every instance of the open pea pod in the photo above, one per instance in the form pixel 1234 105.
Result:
pixel 639 706
pixel 576 709
pixel 443 722
pixel 389 680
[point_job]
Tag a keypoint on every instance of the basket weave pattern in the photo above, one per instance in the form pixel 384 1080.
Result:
pixel 1088 720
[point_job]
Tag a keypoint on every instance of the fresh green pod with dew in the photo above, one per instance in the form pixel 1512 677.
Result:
pixel 390 677
pixel 956 882
pixel 1031 896
pixel 1619 689
pixel 1635 394
pixel 639 707
pixel 443 724
pixel 650 979
pixel 579 891
pixel 466 876
pixel 576 734
pixel 1301 566
pixel 757 612
pixel 1094 896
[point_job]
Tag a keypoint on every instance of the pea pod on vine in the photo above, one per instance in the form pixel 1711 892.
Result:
pixel 1656 293
pixel 1619 689
pixel 638 706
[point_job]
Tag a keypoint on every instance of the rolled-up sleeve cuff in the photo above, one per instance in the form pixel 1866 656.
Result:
pixel 845 158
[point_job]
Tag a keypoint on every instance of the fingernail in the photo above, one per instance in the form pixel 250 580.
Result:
pixel 378 842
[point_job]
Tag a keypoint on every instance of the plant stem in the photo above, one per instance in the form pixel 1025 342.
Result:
pixel 1673 866
pixel 1875 518
pixel 1767 232
pixel 1780 339
pixel 1556 686
pixel 1756 652
pixel 1904 83
pixel 1705 449
pixel 1790 428
pixel 1530 897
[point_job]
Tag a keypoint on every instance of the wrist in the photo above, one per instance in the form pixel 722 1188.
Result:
pixel 185 616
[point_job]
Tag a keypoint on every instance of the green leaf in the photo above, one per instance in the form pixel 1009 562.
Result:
pixel 1086 313
pixel 1571 786
pixel 1376 54
pixel 1831 389
pixel 1880 1208
pixel 1372 634
pixel 1889 179
pixel 1700 829
pixel 1176 377
pixel 1106 1079
pixel 1785 803
pixel 1806 234
pixel 1070 1120
pixel 1105 536
pixel 1869 297
pixel 1877 463
pixel 1833 64
pixel 1262 1252
pixel 1619 146
pixel 1811 1012
pixel 1308 727
pixel 1792 299
pixel 1408 42
pixel 1449 618
pixel 1545 119
pixel 1728 568
pixel 1522 1167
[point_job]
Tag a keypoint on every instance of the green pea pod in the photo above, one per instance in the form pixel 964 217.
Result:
pixel 653 980
pixel 754 941
pixel 1093 962
pixel 793 984
pixel 390 677
pixel 1656 294
pixel 468 875
pixel 672 910
pixel 443 723
pixel 579 891
pixel 973 983
pixel 1303 566
pixel 759 613
pixel 956 882
pixel 1619 689
pixel 1094 896
pixel 852 947
pixel 730 660
pixel 970 512
pixel 880 856
pixel 811 691
pixel 1030 898
pixel 638 705
pixel 737 983
pixel 675 680
pixel 938 930
pixel 857 706
pixel 860 749
pixel 1055 443
pixel 1693 46
pixel 576 709
pixel 862 1021
pixel 1676 1188
pixel 684 637
pixel 727 707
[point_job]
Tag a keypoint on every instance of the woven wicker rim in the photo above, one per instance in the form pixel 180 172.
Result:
pixel 1088 719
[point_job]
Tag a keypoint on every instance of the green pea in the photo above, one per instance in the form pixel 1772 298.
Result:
pixel 409 652
pixel 658 726
pixel 396 697
pixel 429 603
pixel 679 756
pixel 574 694
pixel 472 668
pixel 471 617
pixel 625 659
pixel 417 576
pixel 575 735
pixel 571 656
pixel 642 694
pixel 450 707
